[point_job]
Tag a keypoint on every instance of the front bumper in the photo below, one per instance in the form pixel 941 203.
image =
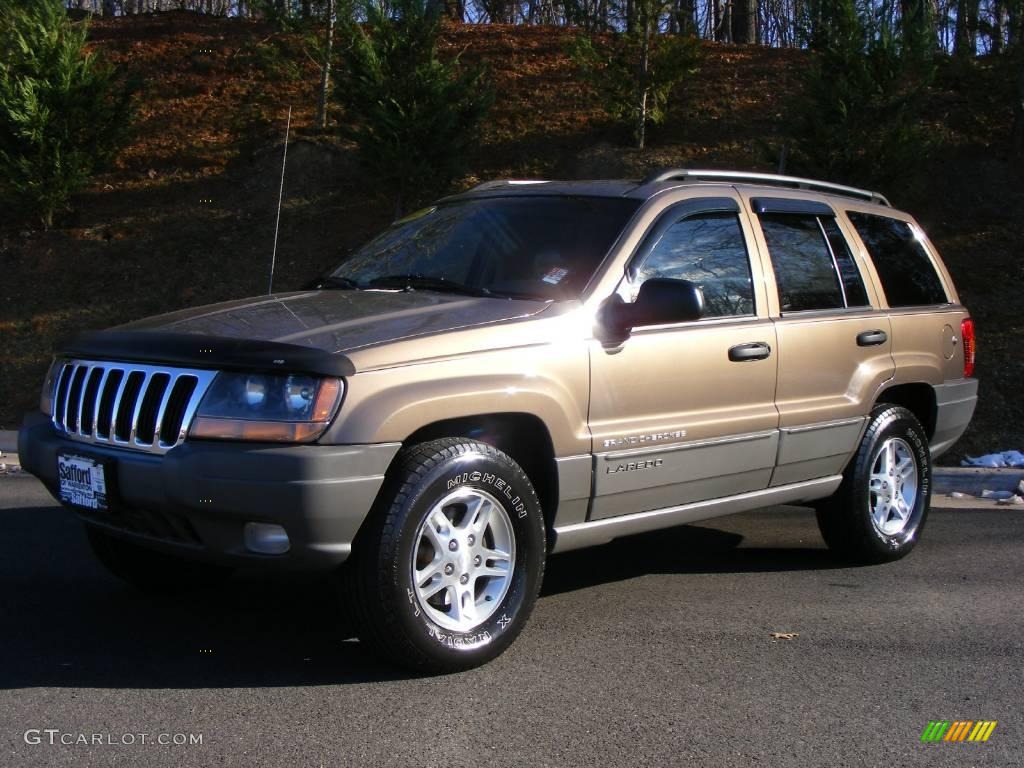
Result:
pixel 196 499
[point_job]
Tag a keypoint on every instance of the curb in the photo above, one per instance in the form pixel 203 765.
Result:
pixel 974 480
pixel 9 451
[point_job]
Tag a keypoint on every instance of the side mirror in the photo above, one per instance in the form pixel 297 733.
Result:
pixel 661 301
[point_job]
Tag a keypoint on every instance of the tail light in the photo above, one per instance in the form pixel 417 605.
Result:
pixel 967 337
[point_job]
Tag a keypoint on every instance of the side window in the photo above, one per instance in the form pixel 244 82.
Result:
pixel 907 274
pixel 805 272
pixel 853 283
pixel 708 250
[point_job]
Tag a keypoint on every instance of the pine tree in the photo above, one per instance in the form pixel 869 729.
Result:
pixel 411 115
pixel 636 72
pixel 62 112
pixel 857 117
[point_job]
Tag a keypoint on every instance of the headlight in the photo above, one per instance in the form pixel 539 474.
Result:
pixel 49 384
pixel 294 408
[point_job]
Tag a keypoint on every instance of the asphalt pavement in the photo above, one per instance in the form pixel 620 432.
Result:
pixel 656 650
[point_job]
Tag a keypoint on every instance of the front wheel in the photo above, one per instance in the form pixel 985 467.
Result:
pixel 880 509
pixel 448 567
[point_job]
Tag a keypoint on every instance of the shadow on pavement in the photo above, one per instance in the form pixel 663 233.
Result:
pixel 67 623
pixel 686 549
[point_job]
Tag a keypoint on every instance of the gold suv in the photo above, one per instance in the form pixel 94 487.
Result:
pixel 526 368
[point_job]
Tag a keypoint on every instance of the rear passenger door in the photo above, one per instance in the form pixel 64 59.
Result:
pixel 834 345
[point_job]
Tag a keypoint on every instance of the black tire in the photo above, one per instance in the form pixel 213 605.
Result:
pixel 151 571
pixel 382 593
pixel 849 520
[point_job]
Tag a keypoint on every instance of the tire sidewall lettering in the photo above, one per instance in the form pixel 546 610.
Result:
pixel 478 479
pixel 909 432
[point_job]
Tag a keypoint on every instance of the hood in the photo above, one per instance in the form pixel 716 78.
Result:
pixel 336 321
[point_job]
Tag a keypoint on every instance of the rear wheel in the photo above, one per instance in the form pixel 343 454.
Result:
pixel 446 571
pixel 149 570
pixel 880 509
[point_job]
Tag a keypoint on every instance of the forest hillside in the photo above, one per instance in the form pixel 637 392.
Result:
pixel 185 215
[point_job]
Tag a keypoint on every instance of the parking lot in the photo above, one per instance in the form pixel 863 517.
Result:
pixel 656 650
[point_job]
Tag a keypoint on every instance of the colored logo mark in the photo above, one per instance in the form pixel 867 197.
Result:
pixel 958 730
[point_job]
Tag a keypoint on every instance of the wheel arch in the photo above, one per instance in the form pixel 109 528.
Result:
pixel 524 437
pixel 918 398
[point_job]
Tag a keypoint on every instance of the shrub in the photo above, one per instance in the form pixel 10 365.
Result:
pixel 62 112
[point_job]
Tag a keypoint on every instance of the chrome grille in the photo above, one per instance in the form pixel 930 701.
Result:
pixel 127 405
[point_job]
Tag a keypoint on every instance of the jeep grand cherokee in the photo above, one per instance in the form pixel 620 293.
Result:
pixel 525 368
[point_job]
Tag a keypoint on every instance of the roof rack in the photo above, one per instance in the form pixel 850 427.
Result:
pixel 769 179
pixel 497 183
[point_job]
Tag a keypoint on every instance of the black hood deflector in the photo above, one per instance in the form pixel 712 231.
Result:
pixel 203 351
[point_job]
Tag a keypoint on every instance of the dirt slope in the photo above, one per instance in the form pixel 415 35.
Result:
pixel 186 217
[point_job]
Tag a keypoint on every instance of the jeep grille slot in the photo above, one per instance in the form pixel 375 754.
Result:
pixel 92 388
pixel 74 407
pixel 127 405
pixel 176 404
pixel 106 405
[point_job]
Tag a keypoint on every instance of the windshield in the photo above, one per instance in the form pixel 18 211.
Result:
pixel 533 247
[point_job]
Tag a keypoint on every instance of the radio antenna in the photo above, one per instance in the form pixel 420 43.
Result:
pixel 280 197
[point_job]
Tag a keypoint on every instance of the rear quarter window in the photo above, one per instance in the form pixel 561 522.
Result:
pixel 904 268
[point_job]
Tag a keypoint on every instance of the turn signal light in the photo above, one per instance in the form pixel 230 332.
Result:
pixel 210 428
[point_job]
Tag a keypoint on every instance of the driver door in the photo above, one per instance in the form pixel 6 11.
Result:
pixel 685 412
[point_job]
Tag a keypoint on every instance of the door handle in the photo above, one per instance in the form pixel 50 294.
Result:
pixel 871 338
pixel 756 350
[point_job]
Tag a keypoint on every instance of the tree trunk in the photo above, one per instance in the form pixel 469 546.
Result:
pixel 325 72
pixel 744 21
pixel 642 86
pixel 998 28
pixel 685 15
pixel 455 10
pixel 1015 22
pixel 1017 140
pixel 964 44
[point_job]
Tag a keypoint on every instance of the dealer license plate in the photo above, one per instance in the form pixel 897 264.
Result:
pixel 83 482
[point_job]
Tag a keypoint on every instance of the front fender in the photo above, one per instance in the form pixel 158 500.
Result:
pixel 390 404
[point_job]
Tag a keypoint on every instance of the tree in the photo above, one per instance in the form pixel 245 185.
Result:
pixel 411 115
pixel 917 26
pixel 857 116
pixel 1017 49
pixel 966 28
pixel 744 21
pixel 62 112
pixel 635 73
pixel 325 69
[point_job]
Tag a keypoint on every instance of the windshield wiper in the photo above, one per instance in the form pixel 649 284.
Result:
pixel 503 294
pixel 425 282
pixel 336 281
